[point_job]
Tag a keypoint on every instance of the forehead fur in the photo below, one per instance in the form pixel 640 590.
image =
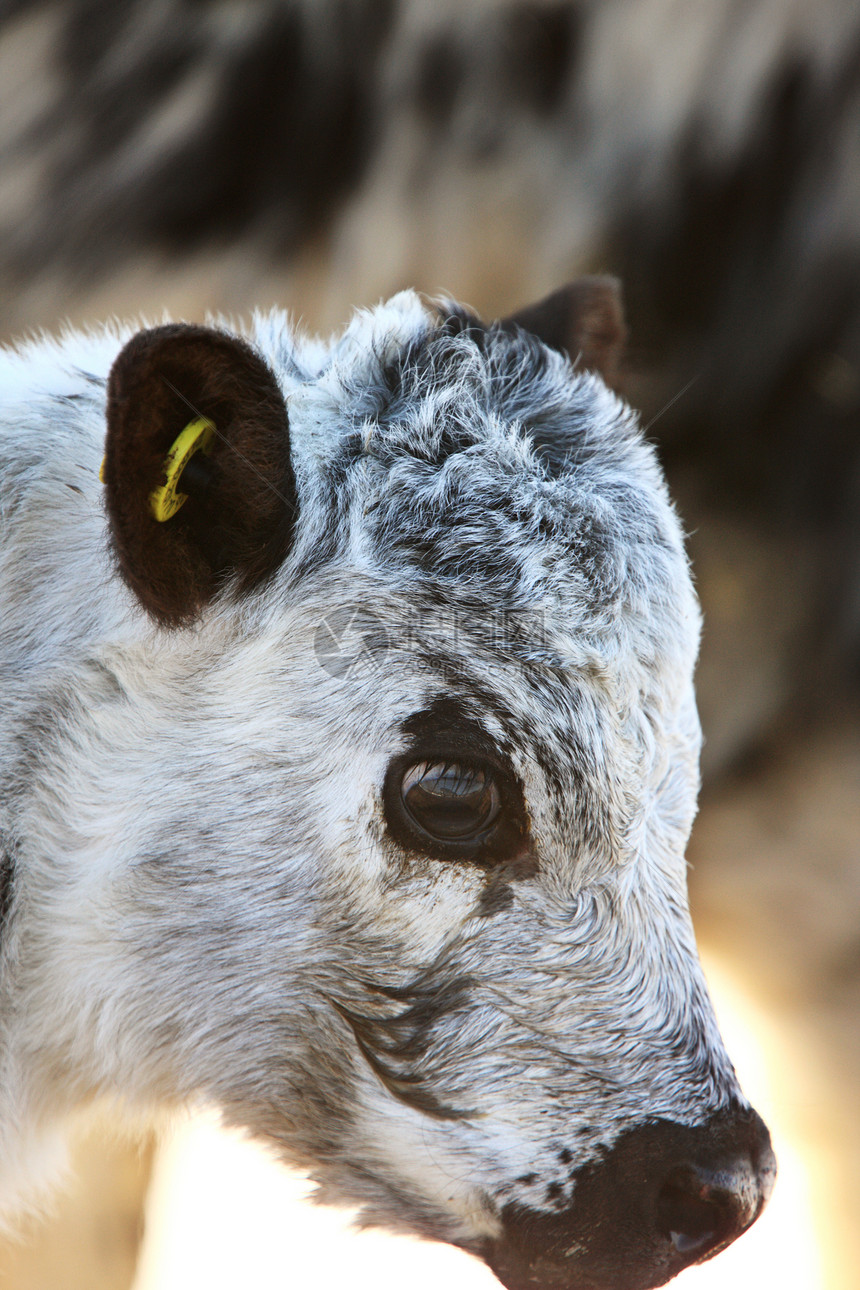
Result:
pixel 475 464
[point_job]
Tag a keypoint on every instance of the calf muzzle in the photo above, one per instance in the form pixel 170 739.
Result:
pixel 665 1196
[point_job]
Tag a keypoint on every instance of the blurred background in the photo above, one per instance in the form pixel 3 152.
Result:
pixel 201 156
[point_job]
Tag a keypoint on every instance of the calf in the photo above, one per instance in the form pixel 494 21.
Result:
pixel 348 754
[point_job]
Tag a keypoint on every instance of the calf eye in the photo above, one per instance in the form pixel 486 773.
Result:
pixel 450 801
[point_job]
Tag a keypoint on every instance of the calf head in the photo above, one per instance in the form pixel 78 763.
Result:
pixel 405 891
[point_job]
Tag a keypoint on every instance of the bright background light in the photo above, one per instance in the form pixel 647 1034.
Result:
pixel 223 1214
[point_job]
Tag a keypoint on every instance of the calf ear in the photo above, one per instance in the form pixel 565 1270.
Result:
pixel 584 319
pixel 230 510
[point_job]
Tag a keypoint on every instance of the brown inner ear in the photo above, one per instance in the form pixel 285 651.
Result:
pixel 585 319
pixel 239 515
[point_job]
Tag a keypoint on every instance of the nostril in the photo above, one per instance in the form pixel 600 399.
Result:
pixel 721 1180
pixel 687 1216
pixel 699 1209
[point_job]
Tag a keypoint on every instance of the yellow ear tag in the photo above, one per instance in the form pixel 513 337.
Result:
pixel 197 436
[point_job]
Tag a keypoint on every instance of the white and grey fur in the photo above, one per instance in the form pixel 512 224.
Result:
pixel 205 904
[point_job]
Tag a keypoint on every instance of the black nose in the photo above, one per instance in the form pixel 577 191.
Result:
pixel 665 1196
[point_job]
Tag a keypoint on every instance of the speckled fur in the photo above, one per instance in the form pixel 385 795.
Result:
pixel 206 905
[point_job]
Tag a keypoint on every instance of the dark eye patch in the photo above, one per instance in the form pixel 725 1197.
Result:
pixel 452 795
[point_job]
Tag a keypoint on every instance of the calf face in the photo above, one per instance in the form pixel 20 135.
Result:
pixel 362 812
